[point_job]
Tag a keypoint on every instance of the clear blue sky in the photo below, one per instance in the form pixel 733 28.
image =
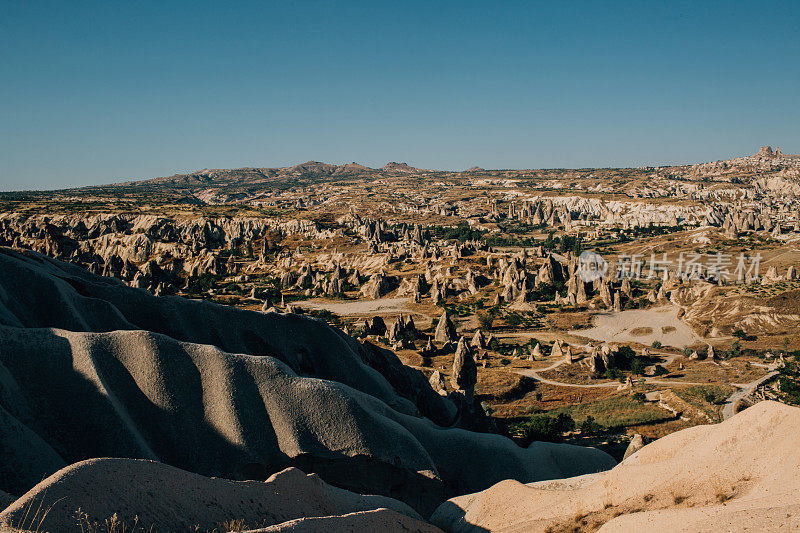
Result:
pixel 98 92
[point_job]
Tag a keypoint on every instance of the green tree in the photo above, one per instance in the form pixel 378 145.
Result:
pixel 485 320
pixel 544 427
pixel 736 349
pixel 590 427
pixel 577 248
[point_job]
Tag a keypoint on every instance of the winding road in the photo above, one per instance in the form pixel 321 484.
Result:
pixel 531 373
pixel 742 390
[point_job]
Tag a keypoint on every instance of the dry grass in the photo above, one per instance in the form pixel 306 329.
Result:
pixel 234 525
pixel 114 524
pixel 616 411
pixel 36 520
pixel 723 491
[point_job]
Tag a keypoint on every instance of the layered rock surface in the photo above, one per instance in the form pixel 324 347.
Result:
pixel 252 393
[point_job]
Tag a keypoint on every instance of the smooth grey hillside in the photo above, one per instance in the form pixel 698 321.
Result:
pixel 73 395
pixel 37 291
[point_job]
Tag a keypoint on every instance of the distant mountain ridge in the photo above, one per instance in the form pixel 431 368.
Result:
pixel 308 170
pixel 249 183
pixel 318 170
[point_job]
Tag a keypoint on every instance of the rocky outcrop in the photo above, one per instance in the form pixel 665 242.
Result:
pixel 445 329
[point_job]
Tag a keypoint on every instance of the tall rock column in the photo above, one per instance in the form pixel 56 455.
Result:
pixel 465 372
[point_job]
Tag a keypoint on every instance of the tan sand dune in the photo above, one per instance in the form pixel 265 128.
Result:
pixel 170 499
pixel 742 474
pixel 384 520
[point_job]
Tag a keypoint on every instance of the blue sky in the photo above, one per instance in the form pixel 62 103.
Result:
pixel 98 92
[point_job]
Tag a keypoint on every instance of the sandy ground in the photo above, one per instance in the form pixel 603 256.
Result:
pixel 740 475
pixel 162 498
pixel 642 326
pixel 359 307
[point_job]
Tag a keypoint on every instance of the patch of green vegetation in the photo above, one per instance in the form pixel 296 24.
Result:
pixel 707 398
pixel 524 319
pixel 735 349
pixel 590 426
pixel 789 379
pixel 544 427
pixel 462 232
pixel 486 320
pixel 614 412
pixel 459 309
pixel 202 284
pixel 499 241
pixel 328 316
pixel 548 291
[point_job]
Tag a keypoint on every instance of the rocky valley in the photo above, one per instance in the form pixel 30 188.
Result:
pixel 338 348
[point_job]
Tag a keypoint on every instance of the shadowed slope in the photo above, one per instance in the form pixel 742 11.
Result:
pixel 142 394
pixel 74 395
pixel 168 499
pixel 36 291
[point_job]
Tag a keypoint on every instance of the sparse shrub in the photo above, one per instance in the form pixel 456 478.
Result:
pixel 233 525
pixel 615 373
pixel 661 371
pixel 735 349
pixel 723 492
pixel 202 284
pixel 328 316
pixel 639 397
pixel 547 428
pixel 486 320
pixel 637 366
pixel 741 335
pixel 590 427
pixel 624 357
pixel 656 344
pixel 710 396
